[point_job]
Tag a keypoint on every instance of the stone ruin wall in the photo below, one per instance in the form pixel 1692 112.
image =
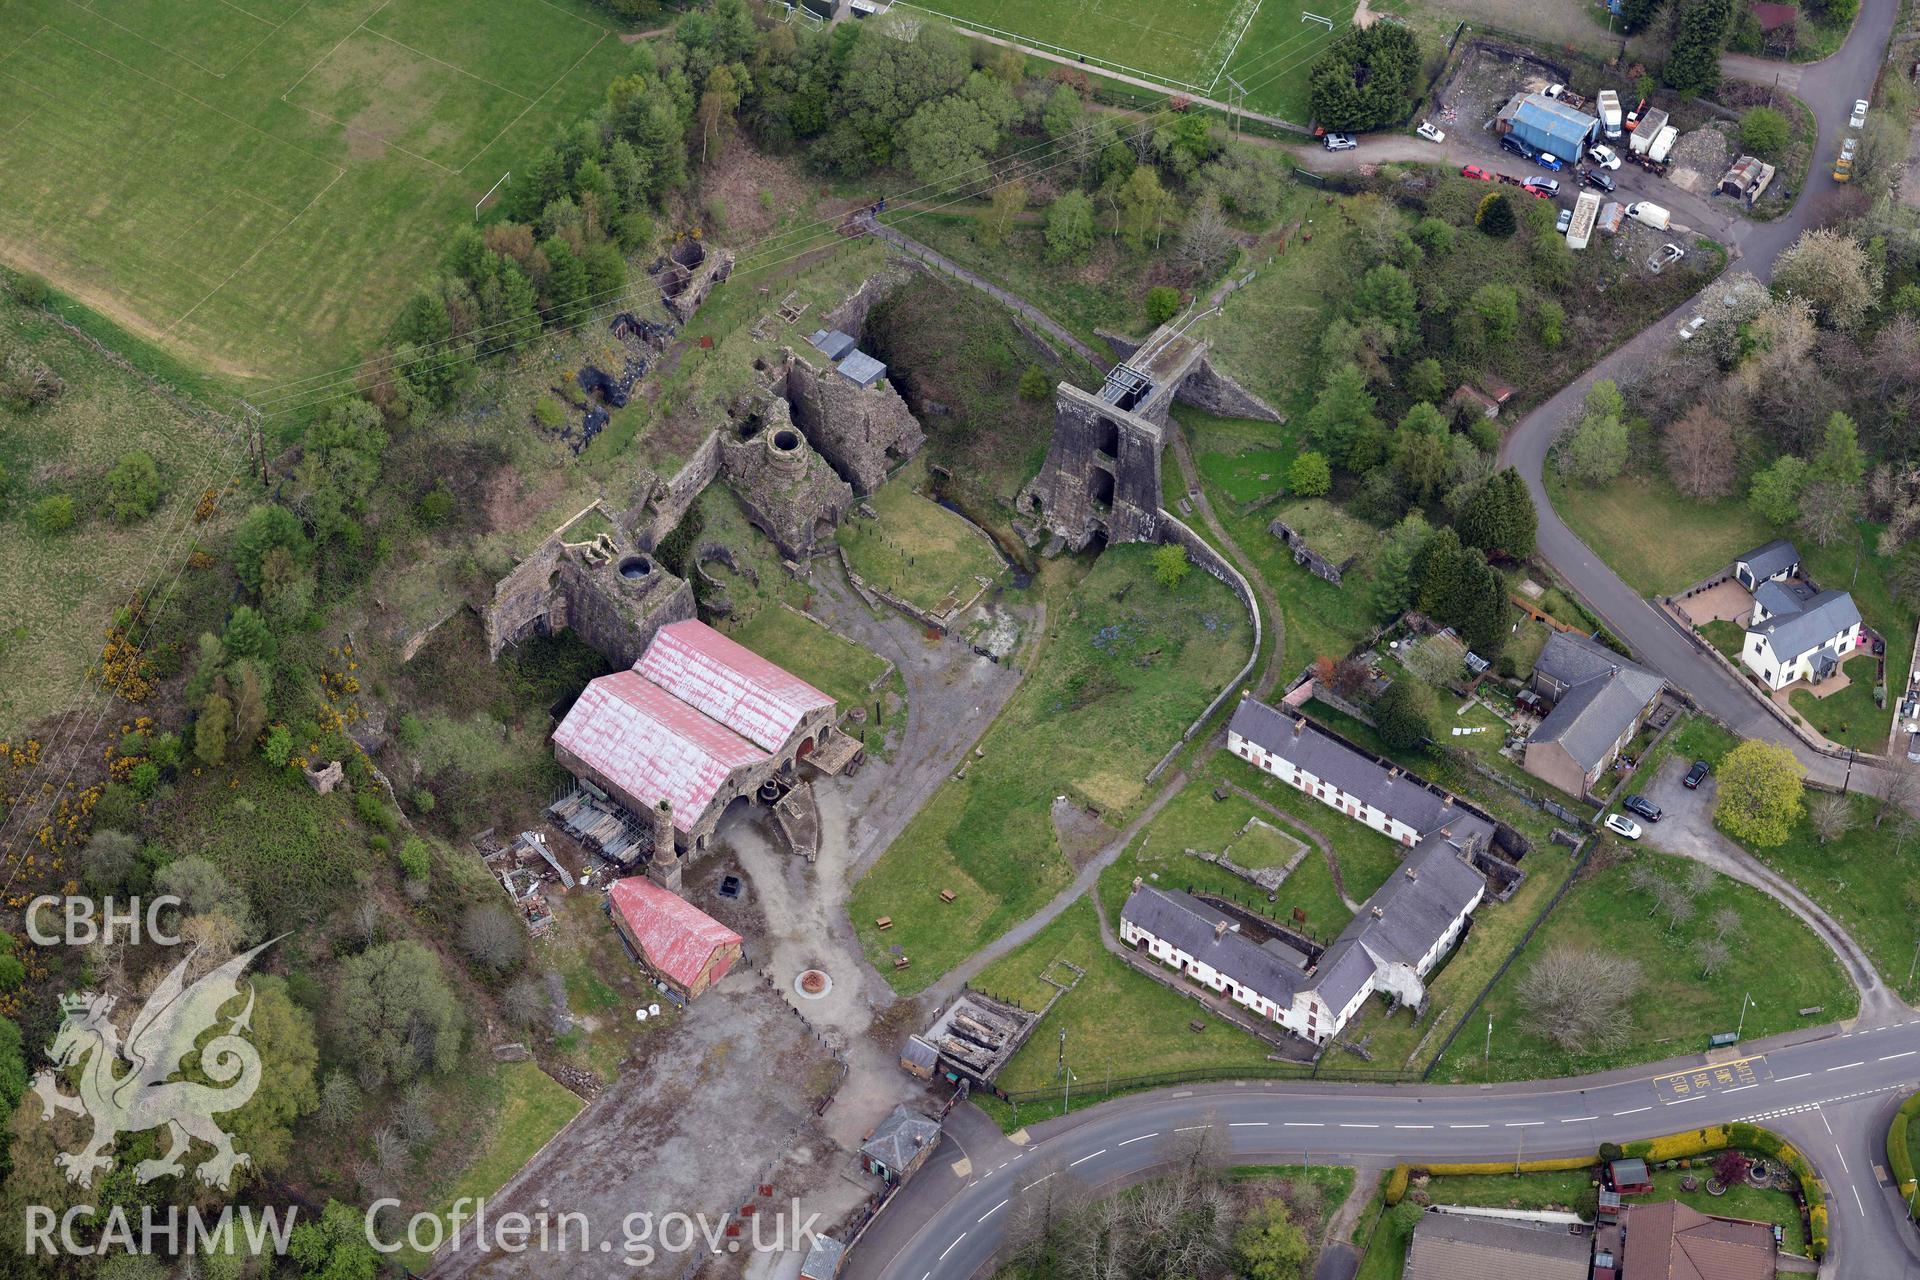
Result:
pixel 1205 387
pixel 663 510
pixel 1101 476
pixel 862 431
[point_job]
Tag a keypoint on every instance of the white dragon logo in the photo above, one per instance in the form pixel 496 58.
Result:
pixel 165 1031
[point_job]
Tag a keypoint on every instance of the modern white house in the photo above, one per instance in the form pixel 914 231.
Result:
pixel 1798 633
pixel 1390 946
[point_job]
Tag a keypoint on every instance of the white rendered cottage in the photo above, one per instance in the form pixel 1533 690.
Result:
pixel 1797 633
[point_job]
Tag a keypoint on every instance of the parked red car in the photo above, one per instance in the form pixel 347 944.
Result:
pixel 1476 172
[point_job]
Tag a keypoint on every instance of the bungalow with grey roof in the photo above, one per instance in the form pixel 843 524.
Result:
pixel 1599 702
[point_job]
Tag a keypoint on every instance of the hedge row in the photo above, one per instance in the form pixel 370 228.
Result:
pixel 1564 1164
pixel 1899 1154
pixel 1396 1186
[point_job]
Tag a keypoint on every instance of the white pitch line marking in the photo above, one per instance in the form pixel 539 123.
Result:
pixel 1790 1079
pixel 1894 1056
pixel 989 1213
pixel 950 1248
pixel 1846 1066
pixel 1633 1112
pixel 1142 1138
pixel 1083 1159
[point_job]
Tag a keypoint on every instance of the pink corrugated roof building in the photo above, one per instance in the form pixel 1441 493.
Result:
pixel 678 941
pixel 736 686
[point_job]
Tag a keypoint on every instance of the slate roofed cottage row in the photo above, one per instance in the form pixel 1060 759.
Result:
pixel 726 680
pixel 1287 738
pixel 674 936
pixel 650 744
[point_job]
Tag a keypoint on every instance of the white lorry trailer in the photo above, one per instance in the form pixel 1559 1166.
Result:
pixel 1585 210
pixel 1610 117
pixel 1647 130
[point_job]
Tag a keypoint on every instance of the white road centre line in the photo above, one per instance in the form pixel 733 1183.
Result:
pixel 1740 1088
pixel 1823 1119
pixel 1524 1124
pixel 1847 1066
pixel 1359 1126
pixel 1892 1057
pixel 1142 1138
pixel 1083 1159
pixel 1247 1124
pixel 1843 1161
pixel 1469 1126
pixel 1193 1128
pixel 1303 1124
pixel 1674 1102
pixel 989 1213
pixel 1634 1111
pixel 950 1248
pixel 1037 1181
pixel 1857 1202
pixel 1790 1079
pixel 1579 1119
pixel 1413 1126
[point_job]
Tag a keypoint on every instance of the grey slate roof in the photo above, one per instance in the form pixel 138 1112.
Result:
pixel 1451 1246
pixel 831 343
pixel 1191 926
pixel 919 1053
pixel 823 1259
pixel 1777 556
pixel 1782 597
pixel 862 368
pixel 1816 621
pixel 1604 692
pixel 900 1137
pixel 1332 761
pixel 1415 912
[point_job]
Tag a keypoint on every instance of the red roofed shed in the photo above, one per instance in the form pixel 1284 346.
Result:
pixel 684 946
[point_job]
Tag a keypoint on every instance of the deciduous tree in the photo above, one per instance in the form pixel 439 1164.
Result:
pixel 1831 815
pixel 1069 230
pixel 1760 793
pixel 1170 565
pixel 1775 496
pixel 1309 475
pixel 1579 998
pixel 1699 454
pixel 1834 274
pixel 394 1014
pixel 1270 1245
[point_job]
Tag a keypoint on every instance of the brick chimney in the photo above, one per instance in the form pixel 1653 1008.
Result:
pixel 1220 929
pixel 664 867
pixel 1299 723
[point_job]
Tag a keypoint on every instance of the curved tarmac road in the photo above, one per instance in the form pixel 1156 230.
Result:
pixel 1832 1097
pixel 1830 88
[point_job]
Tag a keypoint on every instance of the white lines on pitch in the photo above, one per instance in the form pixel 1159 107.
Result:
pixel 989 1213
pixel 1633 1111
pixel 1083 1159
pixel 950 1248
pixel 1847 1066
pixel 1142 1138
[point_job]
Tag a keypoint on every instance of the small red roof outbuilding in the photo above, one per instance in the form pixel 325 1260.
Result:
pixel 684 945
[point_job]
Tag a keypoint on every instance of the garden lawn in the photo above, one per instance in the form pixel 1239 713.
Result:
pixel 257 187
pixel 1868 880
pixel 1125 667
pixel 1195 820
pixel 1775 958
pixel 918 550
pixel 799 643
pixel 58 591
pixel 1119 1023
pixel 530 1107
pixel 1857 568
pixel 1848 717
pixel 1655 539
pixel 1728 637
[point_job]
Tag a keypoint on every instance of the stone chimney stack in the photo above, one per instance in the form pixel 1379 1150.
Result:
pixel 1219 930
pixel 664 867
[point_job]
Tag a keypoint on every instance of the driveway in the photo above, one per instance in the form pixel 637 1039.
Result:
pixel 1686 828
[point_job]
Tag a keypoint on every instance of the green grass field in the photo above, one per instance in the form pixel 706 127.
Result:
pixel 58 591
pixel 256 186
pixel 1655 539
pixel 1778 960
pixel 838 668
pixel 917 549
pixel 1125 667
